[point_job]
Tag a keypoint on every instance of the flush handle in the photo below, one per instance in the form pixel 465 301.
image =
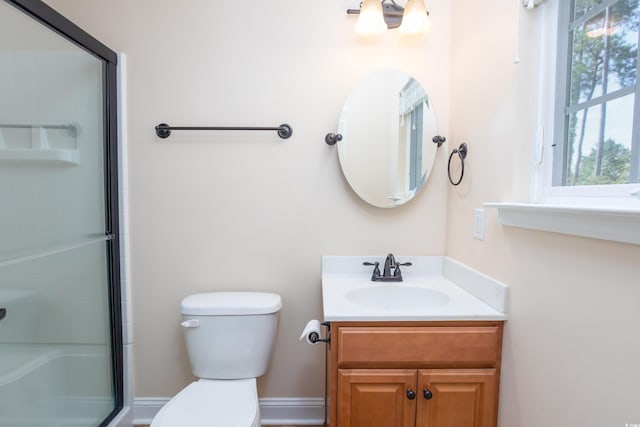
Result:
pixel 191 323
pixel 411 394
pixel 3 313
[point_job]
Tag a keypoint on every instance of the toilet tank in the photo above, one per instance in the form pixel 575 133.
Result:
pixel 230 335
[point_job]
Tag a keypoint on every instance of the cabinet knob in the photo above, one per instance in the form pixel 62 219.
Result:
pixel 411 394
pixel 427 393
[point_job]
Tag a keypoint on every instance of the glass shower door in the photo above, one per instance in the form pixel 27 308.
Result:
pixel 57 333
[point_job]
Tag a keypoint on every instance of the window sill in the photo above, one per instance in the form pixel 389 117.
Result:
pixel 618 225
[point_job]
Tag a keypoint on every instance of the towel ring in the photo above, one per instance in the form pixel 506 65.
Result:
pixel 462 153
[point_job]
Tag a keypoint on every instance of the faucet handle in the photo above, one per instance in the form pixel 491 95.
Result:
pixel 376 269
pixel 397 272
pixel 376 265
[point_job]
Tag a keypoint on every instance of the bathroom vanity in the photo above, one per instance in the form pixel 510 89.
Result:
pixel 413 373
pixel 422 352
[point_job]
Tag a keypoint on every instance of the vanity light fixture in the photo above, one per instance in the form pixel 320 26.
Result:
pixel 371 21
pixel 415 20
pixel 377 16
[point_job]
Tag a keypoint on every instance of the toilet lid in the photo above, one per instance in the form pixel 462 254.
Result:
pixel 231 304
pixel 209 403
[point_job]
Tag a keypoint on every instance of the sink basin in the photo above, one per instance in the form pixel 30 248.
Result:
pixel 397 296
pixel 426 294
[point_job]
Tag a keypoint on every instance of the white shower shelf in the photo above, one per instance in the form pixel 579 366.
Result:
pixel 39 156
pixel 33 145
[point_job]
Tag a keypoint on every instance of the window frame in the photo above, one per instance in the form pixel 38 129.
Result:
pixel 607 212
pixel 553 81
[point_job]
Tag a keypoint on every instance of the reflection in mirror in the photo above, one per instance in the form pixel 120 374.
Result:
pixel 387 125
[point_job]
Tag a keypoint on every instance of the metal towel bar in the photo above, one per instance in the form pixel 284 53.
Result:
pixel 163 130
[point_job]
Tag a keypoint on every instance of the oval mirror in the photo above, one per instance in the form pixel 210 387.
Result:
pixel 387 126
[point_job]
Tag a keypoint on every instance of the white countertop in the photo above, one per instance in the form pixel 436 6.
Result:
pixel 471 295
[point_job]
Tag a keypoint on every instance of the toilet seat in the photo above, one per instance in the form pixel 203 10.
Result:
pixel 212 403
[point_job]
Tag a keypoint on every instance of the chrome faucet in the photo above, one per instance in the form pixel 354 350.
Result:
pixel 389 263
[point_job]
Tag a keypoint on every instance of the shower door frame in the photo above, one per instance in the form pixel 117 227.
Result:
pixel 47 16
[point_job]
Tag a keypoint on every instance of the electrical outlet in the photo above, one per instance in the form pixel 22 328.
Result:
pixel 478 224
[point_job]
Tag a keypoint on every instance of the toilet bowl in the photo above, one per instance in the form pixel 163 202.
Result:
pixel 208 403
pixel 229 338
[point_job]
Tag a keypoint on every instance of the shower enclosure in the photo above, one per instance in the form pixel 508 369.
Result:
pixel 60 325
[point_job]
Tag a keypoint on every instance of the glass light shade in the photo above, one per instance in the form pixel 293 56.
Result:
pixel 415 20
pixel 371 21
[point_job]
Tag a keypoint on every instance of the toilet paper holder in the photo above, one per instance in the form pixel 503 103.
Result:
pixel 314 337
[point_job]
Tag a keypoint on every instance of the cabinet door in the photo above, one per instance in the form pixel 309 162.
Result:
pixel 377 397
pixel 457 398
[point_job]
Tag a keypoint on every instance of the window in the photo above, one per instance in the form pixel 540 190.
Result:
pixel 597 116
pixel 587 170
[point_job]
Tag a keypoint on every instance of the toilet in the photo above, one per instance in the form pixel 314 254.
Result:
pixel 229 338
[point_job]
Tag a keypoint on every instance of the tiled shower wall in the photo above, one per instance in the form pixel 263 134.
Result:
pixel 47 205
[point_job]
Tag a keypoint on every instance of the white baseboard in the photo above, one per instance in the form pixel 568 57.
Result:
pixel 292 411
pixel 273 411
pixel 145 408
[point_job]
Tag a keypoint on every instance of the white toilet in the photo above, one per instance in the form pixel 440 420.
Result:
pixel 229 338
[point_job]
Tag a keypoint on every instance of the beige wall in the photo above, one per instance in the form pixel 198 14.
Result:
pixel 571 347
pixel 220 211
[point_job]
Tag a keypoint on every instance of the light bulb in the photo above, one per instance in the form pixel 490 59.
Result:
pixel 371 21
pixel 415 20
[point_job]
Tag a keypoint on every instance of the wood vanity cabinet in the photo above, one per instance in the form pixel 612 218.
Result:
pixel 407 374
